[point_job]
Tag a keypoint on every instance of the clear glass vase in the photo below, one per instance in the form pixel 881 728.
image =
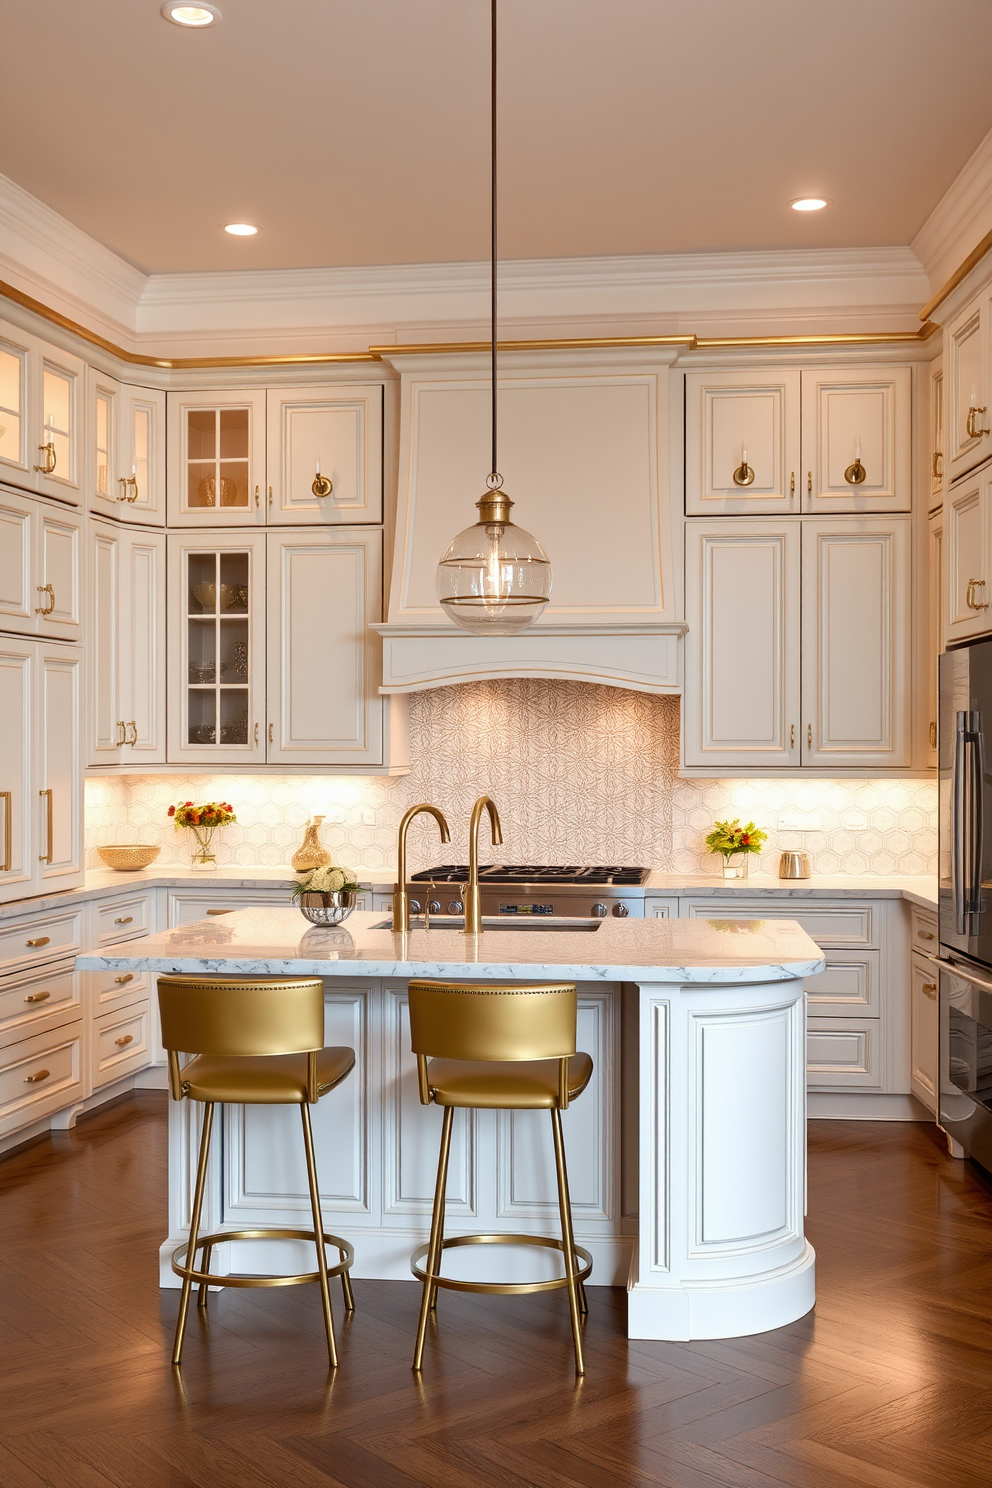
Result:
pixel 735 864
pixel 202 856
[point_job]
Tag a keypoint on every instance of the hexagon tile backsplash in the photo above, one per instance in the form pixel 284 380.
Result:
pixel 580 774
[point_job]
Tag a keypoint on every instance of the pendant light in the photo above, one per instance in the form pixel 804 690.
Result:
pixel 494 578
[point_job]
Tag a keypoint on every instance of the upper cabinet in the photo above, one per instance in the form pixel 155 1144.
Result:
pixel 41 568
pixel 936 410
pixel 968 432
pixel 819 439
pixel 125 450
pixel 41 415
pixel 293 456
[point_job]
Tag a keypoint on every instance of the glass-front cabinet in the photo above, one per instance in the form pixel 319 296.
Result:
pixel 217 684
pixel 125 450
pixel 41 414
pixel 216 459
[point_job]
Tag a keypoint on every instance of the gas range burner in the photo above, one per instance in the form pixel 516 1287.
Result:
pixel 519 873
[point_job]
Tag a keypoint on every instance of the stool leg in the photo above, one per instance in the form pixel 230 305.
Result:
pixel 201 1300
pixel 437 1234
pixel 318 1229
pixel 568 1239
pixel 194 1229
pixel 349 1296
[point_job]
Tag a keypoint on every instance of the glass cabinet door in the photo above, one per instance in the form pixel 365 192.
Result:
pixel 56 457
pixel 212 713
pixel 216 459
pixel 13 406
pixel 143 453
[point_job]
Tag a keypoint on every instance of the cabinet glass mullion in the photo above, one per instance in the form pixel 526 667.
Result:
pixel 217 631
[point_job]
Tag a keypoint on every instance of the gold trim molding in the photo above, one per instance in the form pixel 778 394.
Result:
pixel 688 341
pixel 961 272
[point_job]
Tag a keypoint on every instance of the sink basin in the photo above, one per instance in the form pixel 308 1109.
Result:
pixel 499 922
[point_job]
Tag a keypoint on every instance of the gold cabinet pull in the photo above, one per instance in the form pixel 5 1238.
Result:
pixel 809 736
pixel 39 940
pixel 123 482
pixel 937 465
pixel 132 481
pixel 792 737
pixel 127 1039
pixel 929 989
pixel 973 431
pixel 46 857
pixel 122 981
pixel 51 459
pixel 270 732
pixel 256 733
pixel 970 599
pixel 45 609
pixel 925 935
pixel 121 732
pixel 7 797
pixel 256 497
pixel 809 483
pixel 123 919
pixel 133 726
pixel 219 911
pixel 792 483
pixel 270 495
pixel 41 1075
pixel 933 735
pixel 38 997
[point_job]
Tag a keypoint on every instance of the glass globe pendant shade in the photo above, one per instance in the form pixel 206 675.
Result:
pixel 494 578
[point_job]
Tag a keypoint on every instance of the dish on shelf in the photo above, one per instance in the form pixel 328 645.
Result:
pixel 230 595
pixel 202 733
pixel 206 671
pixel 129 856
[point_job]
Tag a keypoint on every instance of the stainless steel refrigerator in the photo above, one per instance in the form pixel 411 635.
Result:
pixel 965 888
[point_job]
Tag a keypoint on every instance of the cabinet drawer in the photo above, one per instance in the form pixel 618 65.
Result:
pixel 197 904
pixel 121 1043
pixel 123 919
pixel 40 1074
pixel 829 925
pixel 924 936
pixel 117 989
pixel 28 1000
pixel 848 985
pixel 43 939
pixel 660 909
pixel 843 1054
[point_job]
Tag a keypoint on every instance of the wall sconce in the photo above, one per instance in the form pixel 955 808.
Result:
pixel 856 474
pixel 321 485
pixel 743 475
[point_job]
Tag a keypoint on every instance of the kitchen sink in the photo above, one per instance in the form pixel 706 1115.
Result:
pixel 498 922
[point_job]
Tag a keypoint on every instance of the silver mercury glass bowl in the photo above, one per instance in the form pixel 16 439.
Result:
pixel 327 909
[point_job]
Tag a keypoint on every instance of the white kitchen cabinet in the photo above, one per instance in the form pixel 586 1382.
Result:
pixel 126 667
pixel 924 1029
pixel 967 563
pixel 321 434
pixel 60 765
pixel 741 704
pixel 936 411
pixel 125 450
pixel 935 625
pixel 856 650
pixel 216 458
pixel 967 429
pixel 41 415
pixel 18 673
pixel 323 593
pixel 854 411
pixel 41 567
pixel 216 666
pixel 732 413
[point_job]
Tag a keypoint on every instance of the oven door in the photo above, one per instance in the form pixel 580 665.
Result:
pixel 965 1087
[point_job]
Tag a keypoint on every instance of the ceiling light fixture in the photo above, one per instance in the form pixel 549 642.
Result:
pixel 190 15
pixel 240 229
pixel 809 203
pixel 494 578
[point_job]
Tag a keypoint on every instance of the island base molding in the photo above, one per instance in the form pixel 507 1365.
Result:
pixel 732 1309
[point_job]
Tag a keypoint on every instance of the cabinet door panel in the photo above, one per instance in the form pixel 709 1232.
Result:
pixel 18 850
pixel 18 596
pixel 60 766
pixel 334 432
pixel 105 487
pixel 729 414
pixel 15 394
pixel 967 563
pixel 741 701
pixel 216 464
pixel 61 573
pixel 143 648
pixel 324 591
pixel 58 435
pixel 850 411
pixel 142 454
pixel 923 1032
pixel 857 686
pixel 966 390
pixel 106 733
pixel 936 431
pixel 935 625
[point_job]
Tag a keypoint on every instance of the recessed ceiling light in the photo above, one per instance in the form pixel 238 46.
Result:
pixel 240 229
pixel 809 203
pixel 190 15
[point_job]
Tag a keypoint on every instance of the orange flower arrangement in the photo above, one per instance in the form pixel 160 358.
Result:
pixel 209 814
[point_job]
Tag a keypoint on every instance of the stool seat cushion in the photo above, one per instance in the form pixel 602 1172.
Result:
pixel 511 1085
pixel 265 1079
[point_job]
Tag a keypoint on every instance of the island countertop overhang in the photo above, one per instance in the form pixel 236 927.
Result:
pixel 278 942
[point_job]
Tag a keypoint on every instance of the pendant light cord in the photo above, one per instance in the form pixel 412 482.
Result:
pixel 495 479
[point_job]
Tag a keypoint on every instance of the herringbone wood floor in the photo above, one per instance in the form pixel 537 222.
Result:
pixel 888 1383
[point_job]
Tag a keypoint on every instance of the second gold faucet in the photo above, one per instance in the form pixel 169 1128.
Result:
pixel 473 906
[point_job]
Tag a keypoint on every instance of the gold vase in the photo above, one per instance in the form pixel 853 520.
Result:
pixel 310 853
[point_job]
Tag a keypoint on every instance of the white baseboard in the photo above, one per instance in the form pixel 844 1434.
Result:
pixel 856 1105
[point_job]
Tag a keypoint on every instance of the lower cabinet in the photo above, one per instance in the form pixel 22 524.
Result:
pixel 924 1019
pixel 121 1043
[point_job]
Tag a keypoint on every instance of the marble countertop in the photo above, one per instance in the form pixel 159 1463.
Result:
pixel 921 890
pixel 279 942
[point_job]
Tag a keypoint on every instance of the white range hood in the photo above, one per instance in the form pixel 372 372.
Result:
pixel 586 457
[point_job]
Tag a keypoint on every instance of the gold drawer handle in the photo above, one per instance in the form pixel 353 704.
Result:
pixel 970 599
pixel 974 432
pixel 45 609
pixel 122 981
pixel 46 857
pixel 219 911
pixel 41 1075
pixel 127 1039
pixel 38 997
pixel 929 989
pixel 925 935
pixel 39 940
pixel 133 726
pixel 123 919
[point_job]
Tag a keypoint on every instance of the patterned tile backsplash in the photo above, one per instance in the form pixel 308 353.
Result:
pixel 579 773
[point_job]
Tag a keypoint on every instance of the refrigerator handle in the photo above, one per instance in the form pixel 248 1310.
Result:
pixel 958 823
pixel 967 822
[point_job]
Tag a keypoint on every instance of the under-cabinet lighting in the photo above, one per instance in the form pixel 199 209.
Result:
pixel 240 229
pixel 190 15
pixel 809 203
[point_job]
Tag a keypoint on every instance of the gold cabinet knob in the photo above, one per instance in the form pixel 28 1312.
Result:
pixel 127 1039
pixel 38 997
pixel 33 1079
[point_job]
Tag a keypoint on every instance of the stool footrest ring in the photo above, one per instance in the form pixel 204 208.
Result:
pixel 179 1258
pixel 507 1288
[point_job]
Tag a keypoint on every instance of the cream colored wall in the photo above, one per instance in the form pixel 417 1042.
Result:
pixel 580 774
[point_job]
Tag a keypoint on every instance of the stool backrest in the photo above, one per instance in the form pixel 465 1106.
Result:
pixel 238 1017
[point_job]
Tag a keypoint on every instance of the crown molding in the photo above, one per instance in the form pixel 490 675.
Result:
pixel 961 218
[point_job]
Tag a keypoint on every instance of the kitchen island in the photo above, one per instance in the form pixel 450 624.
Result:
pixel 686 1153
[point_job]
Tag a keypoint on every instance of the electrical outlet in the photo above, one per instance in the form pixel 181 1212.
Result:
pixel 799 821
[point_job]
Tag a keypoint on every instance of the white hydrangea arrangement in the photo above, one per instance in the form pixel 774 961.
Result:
pixel 325 880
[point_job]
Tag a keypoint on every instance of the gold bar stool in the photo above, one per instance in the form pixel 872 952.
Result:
pixel 499 1047
pixel 255 1042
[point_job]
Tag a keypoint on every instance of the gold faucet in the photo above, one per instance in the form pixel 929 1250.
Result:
pixel 401 899
pixel 473 905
